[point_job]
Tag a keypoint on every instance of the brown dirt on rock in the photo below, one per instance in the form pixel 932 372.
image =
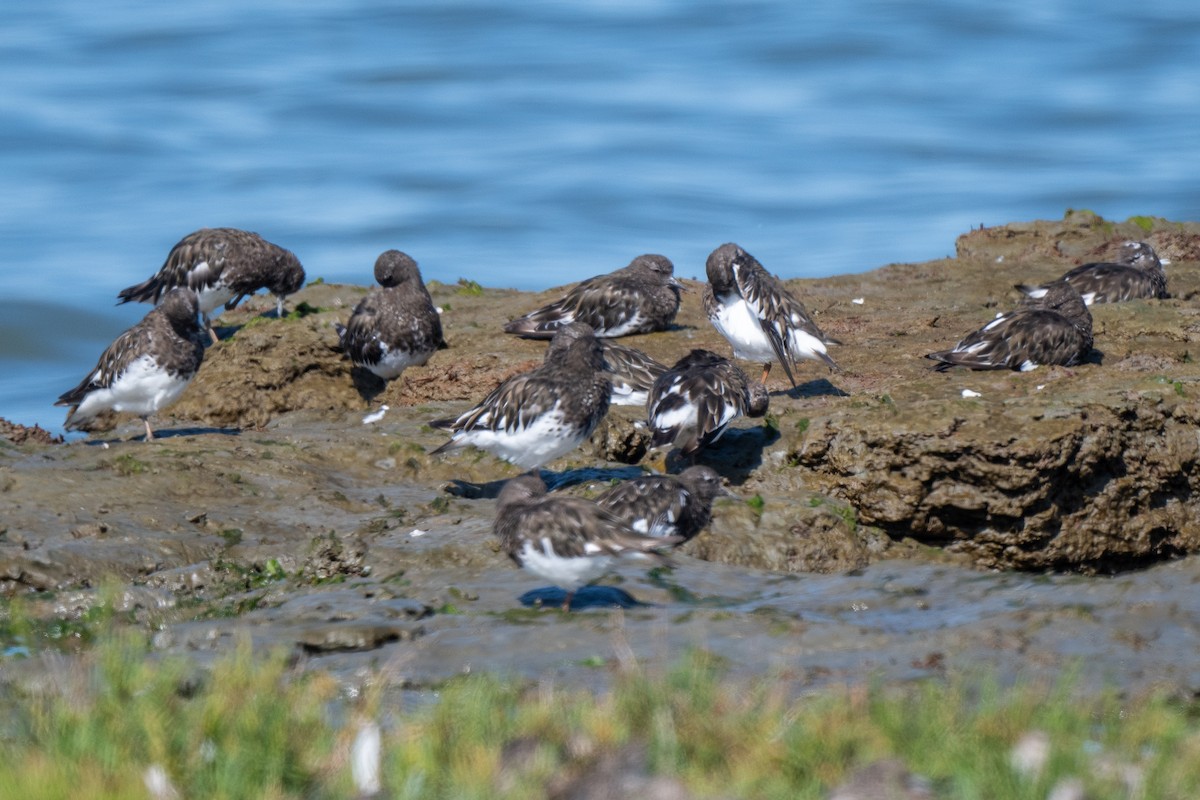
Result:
pixel 1093 468
pixel 19 434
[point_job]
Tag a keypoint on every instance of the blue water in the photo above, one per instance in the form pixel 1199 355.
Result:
pixel 532 144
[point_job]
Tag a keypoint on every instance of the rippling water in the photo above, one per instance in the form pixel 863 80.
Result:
pixel 532 144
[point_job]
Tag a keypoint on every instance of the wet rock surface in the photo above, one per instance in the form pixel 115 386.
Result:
pixel 872 501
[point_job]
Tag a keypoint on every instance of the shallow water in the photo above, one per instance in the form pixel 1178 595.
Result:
pixel 416 590
pixel 535 144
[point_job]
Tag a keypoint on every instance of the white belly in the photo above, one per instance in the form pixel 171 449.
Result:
pixel 141 389
pixel 394 362
pixel 738 323
pixel 543 440
pixel 565 573
pixel 625 395
pixel 213 299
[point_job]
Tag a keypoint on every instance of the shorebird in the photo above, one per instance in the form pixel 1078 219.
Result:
pixel 761 319
pixel 666 505
pixel 568 541
pixel 1053 329
pixel 639 298
pixel 396 325
pixel 693 402
pixel 535 417
pixel 146 368
pixel 222 265
pixel 1137 273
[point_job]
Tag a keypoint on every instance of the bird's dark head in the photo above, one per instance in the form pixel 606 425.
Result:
pixel 704 482
pixel 288 275
pixel 1140 255
pixel 1064 298
pixel 659 266
pixel 394 267
pixel 520 490
pixel 720 264
pixel 577 338
pixel 181 307
pixel 759 399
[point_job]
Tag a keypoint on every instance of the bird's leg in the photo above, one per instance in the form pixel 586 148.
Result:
pixel 149 433
pixel 212 332
pixel 566 606
pixel 766 372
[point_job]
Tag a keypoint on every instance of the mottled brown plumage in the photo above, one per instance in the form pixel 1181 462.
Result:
pixel 639 298
pixel 566 540
pixel 222 265
pixel 1053 330
pixel 396 325
pixel 537 416
pixel 146 368
pixel 761 319
pixel 1136 274
pixel 692 403
pixel 631 371
pixel 666 505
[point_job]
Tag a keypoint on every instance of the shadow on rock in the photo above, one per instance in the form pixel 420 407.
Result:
pixel 736 455
pixel 469 490
pixel 818 388
pixel 165 433
pixel 367 383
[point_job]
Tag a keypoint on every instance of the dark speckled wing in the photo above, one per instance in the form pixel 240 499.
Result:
pixel 115 359
pixel 631 371
pixel 572 524
pixel 780 313
pixel 1056 331
pixel 559 402
pixel 511 405
pixel 242 260
pixel 170 333
pixel 653 504
pixel 693 403
pixel 639 298
pixel 1137 274
pixel 362 337
pixel 1115 283
pixel 666 505
pixel 574 527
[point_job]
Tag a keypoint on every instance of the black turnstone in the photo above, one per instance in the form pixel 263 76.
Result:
pixel 1055 329
pixel 639 298
pixel 693 402
pixel 535 417
pixel 146 368
pixel 396 325
pixel 631 371
pixel 762 320
pixel 1137 273
pixel 222 265
pixel 666 505
pixel 568 541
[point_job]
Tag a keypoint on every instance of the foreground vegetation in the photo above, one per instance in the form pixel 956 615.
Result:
pixel 116 721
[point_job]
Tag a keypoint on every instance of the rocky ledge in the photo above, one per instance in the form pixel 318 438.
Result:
pixel 1088 469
